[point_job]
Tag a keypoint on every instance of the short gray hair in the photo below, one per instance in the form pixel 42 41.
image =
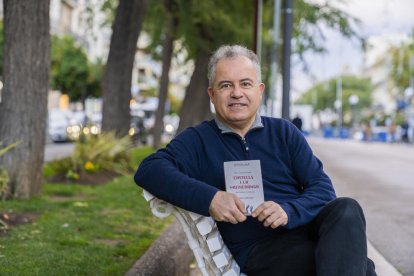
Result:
pixel 231 51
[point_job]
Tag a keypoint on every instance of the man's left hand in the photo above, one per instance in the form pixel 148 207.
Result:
pixel 271 214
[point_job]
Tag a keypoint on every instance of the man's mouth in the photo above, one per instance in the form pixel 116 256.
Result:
pixel 237 104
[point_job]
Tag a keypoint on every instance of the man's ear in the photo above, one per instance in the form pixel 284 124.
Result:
pixel 210 92
pixel 261 88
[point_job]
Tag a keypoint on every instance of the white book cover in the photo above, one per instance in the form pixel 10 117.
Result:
pixel 244 179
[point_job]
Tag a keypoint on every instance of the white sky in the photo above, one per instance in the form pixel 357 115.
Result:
pixel 378 18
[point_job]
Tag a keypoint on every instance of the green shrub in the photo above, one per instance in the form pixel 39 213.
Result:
pixel 103 152
pixel 4 176
pixel 4 181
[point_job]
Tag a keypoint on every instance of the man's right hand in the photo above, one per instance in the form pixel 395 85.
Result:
pixel 227 207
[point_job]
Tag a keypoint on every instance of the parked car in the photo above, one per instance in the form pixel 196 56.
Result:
pixel 58 123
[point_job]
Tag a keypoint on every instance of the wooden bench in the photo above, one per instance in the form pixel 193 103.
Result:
pixel 212 255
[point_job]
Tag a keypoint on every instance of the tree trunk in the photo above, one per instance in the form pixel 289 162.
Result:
pixel 116 85
pixel 23 109
pixel 196 105
pixel 167 52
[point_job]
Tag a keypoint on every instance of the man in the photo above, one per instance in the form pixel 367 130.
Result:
pixel 300 228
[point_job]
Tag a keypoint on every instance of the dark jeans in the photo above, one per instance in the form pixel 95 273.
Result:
pixel 333 244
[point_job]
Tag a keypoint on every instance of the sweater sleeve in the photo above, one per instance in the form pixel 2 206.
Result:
pixel 316 187
pixel 169 174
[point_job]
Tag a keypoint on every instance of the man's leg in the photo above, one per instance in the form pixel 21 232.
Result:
pixel 341 240
pixel 289 253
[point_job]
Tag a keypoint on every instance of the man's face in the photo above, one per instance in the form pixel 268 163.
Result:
pixel 236 92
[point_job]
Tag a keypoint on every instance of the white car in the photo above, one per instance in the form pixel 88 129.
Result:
pixel 58 122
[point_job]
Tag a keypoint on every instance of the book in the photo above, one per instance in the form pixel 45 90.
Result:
pixel 244 179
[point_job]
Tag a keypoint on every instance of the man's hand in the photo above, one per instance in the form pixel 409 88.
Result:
pixel 271 214
pixel 227 207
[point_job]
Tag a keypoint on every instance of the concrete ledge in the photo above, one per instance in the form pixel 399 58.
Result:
pixel 168 255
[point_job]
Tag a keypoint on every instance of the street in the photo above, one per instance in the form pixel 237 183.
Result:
pixel 57 150
pixel 381 177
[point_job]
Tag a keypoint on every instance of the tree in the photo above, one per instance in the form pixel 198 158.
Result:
pixel 95 76
pixel 212 23
pixel 402 64
pixel 204 26
pixel 1 48
pixel 23 108
pixel 70 68
pixel 116 85
pixel 310 22
pixel 322 96
pixel 167 52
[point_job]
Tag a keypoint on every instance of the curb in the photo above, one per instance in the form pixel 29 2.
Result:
pixel 168 255
pixel 382 266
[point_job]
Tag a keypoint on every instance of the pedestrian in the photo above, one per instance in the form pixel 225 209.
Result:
pixel 301 228
pixel 367 132
pixel 404 131
pixel 391 129
pixel 297 121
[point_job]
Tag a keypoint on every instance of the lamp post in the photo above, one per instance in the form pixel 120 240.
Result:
pixel 353 101
pixel 408 94
pixel 338 103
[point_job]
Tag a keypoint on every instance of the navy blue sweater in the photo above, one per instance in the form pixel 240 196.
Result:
pixel 189 171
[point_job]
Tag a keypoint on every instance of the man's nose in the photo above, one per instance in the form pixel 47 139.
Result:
pixel 236 92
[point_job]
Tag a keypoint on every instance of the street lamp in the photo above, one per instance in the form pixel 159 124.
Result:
pixel 338 103
pixel 353 101
pixel 338 108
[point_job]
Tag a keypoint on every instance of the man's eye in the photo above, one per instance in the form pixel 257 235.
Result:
pixel 246 84
pixel 225 86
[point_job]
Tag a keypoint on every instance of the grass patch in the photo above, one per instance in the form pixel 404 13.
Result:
pixel 137 155
pixel 80 230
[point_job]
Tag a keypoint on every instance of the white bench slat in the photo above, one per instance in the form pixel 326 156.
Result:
pixel 222 257
pixel 233 270
pixel 214 241
pixel 205 225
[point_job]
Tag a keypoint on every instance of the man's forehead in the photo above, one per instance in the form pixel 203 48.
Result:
pixel 235 68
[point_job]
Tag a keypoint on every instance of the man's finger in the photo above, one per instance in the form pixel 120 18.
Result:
pixel 270 220
pixel 239 213
pixel 258 210
pixel 240 204
pixel 261 208
pixel 278 222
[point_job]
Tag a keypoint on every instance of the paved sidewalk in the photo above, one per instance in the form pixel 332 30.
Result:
pixel 379 176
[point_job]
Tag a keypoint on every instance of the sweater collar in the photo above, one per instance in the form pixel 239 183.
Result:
pixel 225 129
